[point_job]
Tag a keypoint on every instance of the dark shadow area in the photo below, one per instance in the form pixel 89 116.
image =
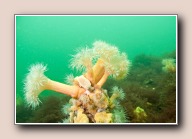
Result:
pixel 100 128
pixel 180 80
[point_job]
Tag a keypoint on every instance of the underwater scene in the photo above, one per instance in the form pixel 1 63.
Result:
pixel 95 69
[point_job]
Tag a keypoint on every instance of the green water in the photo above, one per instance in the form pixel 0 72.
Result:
pixel 53 39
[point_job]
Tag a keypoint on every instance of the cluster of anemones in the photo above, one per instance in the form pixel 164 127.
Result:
pixel 90 102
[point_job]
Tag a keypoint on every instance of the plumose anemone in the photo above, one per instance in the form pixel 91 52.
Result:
pixel 90 102
pixel 36 82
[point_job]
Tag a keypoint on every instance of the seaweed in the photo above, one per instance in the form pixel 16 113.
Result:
pixel 147 86
pixel 50 112
pixel 23 113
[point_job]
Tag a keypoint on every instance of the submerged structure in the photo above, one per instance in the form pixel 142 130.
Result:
pixel 90 102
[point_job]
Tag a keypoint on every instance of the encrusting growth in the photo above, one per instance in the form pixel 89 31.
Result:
pixel 169 65
pixel 90 103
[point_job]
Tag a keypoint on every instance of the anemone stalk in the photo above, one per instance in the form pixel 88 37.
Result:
pixel 73 91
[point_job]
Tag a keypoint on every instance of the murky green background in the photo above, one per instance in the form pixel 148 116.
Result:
pixel 53 39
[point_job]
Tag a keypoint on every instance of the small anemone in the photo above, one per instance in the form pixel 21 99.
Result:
pixel 67 120
pixel 117 93
pixel 34 84
pixel 119 116
pixel 83 59
pixel 66 108
pixel 69 79
pixel 115 104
